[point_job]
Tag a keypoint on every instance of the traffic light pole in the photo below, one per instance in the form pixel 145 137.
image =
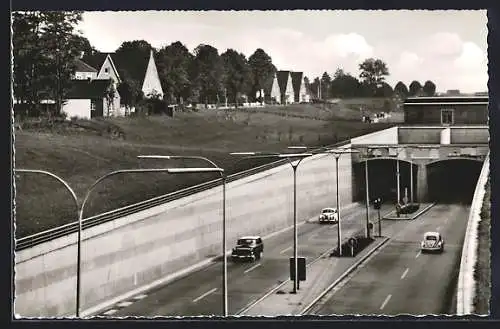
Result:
pixel 379 223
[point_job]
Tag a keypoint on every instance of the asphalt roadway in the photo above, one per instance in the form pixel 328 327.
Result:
pixel 200 293
pixel 399 279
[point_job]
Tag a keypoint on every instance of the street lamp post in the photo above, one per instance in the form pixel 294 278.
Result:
pixel 114 173
pixel 223 179
pixel 367 200
pixel 78 248
pixel 288 156
pixel 337 154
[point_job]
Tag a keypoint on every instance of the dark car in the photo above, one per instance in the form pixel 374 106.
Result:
pixel 248 248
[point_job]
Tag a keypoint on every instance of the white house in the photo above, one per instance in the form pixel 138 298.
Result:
pixel 275 93
pixel 151 84
pixel 286 87
pixel 83 71
pixel 88 98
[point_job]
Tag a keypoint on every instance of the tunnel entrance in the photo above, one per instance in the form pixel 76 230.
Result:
pixel 382 180
pixel 453 181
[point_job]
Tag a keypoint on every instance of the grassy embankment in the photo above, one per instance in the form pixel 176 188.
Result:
pixel 482 270
pixel 81 155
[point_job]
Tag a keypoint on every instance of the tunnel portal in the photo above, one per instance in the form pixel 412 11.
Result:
pixel 452 181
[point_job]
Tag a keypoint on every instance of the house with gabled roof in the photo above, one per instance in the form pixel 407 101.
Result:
pixel 299 88
pixel 286 87
pixel 89 98
pixel 83 71
pixel 151 84
pixel 272 90
pixel 104 70
pixel 143 71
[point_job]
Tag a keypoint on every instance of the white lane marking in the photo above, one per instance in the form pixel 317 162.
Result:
pixel 385 301
pixel 140 297
pixel 404 273
pixel 252 268
pixel 204 295
pixel 110 312
pixel 124 304
pixel 418 254
pixel 285 250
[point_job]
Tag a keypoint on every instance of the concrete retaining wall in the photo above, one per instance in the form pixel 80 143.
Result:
pixel 419 135
pixel 138 249
pixel 470 135
pixel 386 136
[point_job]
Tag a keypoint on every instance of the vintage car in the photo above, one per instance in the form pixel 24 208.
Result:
pixel 328 215
pixel 433 241
pixel 248 248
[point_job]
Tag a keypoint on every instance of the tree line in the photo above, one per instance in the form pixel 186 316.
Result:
pixel 45 45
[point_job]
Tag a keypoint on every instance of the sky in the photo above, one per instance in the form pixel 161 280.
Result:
pixel 448 47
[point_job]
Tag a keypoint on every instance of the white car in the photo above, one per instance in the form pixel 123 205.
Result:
pixel 328 215
pixel 433 241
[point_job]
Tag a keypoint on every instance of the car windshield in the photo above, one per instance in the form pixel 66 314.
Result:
pixel 431 237
pixel 245 241
pixel 327 211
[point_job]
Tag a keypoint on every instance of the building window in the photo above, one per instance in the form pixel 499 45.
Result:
pixel 106 70
pixel 447 117
pixel 92 105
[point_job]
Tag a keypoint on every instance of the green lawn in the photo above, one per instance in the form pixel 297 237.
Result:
pixel 80 156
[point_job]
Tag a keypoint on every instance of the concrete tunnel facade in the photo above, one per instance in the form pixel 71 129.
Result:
pixel 443 181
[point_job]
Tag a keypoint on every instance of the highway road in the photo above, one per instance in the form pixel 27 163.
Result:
pixel 399 279
pixel 199 293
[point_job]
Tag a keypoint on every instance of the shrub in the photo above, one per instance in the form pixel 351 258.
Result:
pixel 409 208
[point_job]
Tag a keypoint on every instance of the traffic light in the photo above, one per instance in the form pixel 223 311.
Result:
pixel 377 203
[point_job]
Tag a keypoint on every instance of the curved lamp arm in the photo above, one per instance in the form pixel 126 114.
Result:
pixel 47 173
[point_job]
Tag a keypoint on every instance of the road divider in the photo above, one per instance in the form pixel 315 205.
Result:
pixel 344 275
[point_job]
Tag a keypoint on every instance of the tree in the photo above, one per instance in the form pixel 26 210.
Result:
pixel 429 88
pixel 345 85
pixel 173 63
pixel 325 85
pixel 415 88
pixel 132 58
pixel 401 89
pixel 61 47
pixel 236 73
pixel 262 69
pixel 373 73
pixel 130 93
pixel 384 90
pixel 207 72
pixel 28 59
pixel 314 87
pixel 83 46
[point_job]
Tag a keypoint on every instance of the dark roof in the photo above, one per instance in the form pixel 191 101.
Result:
pixel 446 100
pixel 95 60
pixel 81 66
pixel 296 81
pixel 88 89
pixel 135 71
pixel 282 79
